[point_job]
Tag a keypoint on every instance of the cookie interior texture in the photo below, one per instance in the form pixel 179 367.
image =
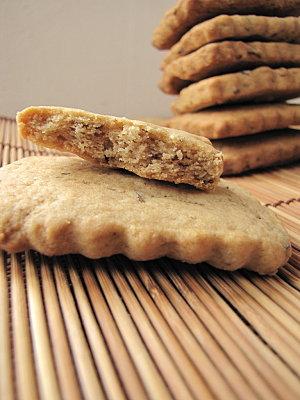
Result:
pixel 59 205
pixel 148 150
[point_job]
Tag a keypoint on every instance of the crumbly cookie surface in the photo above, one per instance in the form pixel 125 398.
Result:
pixel 260 85
pixel 258 151
pixel 59 205
pixel 222 122
pixel 224 57
pixel 224 27
pixel 186 13
pixel 147 150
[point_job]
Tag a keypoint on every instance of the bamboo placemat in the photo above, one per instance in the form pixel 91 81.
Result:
pixel 73 328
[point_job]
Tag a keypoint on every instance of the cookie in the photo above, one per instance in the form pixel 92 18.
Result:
pixel 147 150
pixel 170 84
pixel 259 151
pixel 222 122
pixel 187 13
pixel 224 27
pixel 262 84
pixel 223 57
pixel 60 205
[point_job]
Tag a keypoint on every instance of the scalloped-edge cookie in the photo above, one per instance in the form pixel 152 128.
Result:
pixel 60 205
pixel 187 13
pixel 148 150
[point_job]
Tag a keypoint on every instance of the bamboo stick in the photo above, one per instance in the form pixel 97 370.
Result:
pixel 206 338
pixel 122 360
pixel 6 375
pixel 46 376
pixel 64 362
pixel 152 341
pixel 227 342
pixel 269 366
pixel 216 382
pixel 152 380
pixel 101 355
pixel 26 384
pixel 263 323
pixel 193 379
pixel 85 367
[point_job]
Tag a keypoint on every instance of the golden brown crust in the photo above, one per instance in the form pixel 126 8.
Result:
pixel 224 27
pixel 60 205
pixel 147 150
pixel 224 57
pixel 259 151
pixel 222 122
pixel 186 13
pixel 262 84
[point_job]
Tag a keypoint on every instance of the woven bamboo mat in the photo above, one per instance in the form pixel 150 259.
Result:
pixel 73 328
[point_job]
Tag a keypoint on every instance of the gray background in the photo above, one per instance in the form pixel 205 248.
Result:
pixel 93 54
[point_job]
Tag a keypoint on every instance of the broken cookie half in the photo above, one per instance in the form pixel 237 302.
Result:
pixel 145 149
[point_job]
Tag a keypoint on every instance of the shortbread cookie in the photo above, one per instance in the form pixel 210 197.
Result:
pixel 223 57
pixel 259 151
pixel 235 27
pixel 222 122
pixel 186 13
pixel 59 205
pixel 170 84
pixel 147 150
pixel 262 84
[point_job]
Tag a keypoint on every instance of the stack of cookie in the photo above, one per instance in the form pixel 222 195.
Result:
pixel 232 74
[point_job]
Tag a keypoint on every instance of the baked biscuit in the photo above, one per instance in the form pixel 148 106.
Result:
pixel 59 205
pixel 170 84
pixel 260 85
pixel 224 27
pixel 223 57
pixel 186 13
pixel 223 122
pixel 259 151
pixel 147 150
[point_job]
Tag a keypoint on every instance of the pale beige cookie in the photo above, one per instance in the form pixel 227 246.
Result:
pixel 59 205
pixel 222 122
pixel 262 84
pixel 259 151
pixel 170 84
pixel 235 27
pixel 187 13
pixel 147 150
pixel 223 57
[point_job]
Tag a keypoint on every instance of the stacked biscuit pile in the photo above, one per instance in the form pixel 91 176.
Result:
pixel 232 65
